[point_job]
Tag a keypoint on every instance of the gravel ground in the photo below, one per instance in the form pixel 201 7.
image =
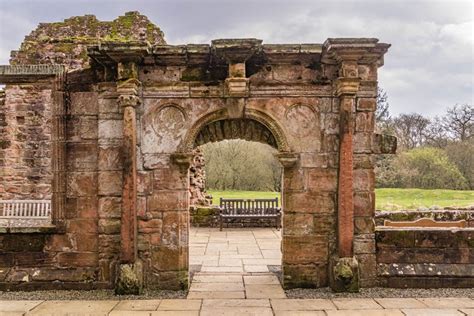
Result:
pixel 378 292
pixel 88 295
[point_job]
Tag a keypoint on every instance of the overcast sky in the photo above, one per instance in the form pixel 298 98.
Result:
pixel 429 67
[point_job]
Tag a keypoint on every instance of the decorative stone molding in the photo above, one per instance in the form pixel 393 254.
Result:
pixel 129 100
pixel 287 160
pixel 29 73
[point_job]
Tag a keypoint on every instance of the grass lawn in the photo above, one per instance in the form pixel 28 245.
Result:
pixel 386 199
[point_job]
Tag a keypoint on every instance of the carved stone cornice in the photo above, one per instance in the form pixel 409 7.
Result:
pixel 361 50
pixel 236 50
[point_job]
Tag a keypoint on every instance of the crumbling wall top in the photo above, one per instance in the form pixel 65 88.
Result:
pixel 66 42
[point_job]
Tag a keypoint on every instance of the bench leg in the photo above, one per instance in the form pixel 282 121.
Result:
pixel 220 224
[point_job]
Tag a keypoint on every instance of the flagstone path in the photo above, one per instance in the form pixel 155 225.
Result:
pixel 234 279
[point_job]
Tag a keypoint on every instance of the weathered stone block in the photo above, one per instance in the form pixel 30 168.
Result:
pixel 321 180
pixel 364 225
pixel 110 157
pixel 170 179
pixel 310 202
pixel 168 201
pixel 364 203
pixel 82 225
pixel 110 183
pixel 129 279
pixel 109 226
pixel 366 104
pixel 83 103
pixel 81 184
pixel 110 207
pixel 78 259
pixel 298 224
pixel 344 274
pixel 304 276
pixel 304 249
pixel 110 129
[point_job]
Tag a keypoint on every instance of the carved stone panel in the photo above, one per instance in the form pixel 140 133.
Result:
pixel 163 129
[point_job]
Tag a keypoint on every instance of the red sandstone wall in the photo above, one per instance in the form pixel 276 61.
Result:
pixel 26 142
pixel 424 258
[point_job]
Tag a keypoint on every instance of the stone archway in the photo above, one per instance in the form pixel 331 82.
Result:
pixel 254 126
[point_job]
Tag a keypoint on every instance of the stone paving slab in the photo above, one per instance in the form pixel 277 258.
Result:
pixel 302 304
pixel 261 279
pixel 18 306
pixel 237 311
pixel 356 303
pixel 73 307
pixel 217 303
pixel 259 307
pixel 432 312
pixel 216 294
pixel 264 291
pixel 138 305
pixel 400 303
pixel 365 312
pixel 180 305
pixel 450 302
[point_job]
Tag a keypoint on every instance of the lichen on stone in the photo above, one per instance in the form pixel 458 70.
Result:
pixel 66 42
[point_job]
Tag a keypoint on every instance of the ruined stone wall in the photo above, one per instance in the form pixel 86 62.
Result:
pixel 26 142
pixel 425 258
pixel 66 42
pixel 197 181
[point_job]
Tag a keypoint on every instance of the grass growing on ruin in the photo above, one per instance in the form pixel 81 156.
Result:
pixel 386 199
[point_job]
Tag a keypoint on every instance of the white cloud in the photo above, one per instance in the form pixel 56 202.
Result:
pixel 429 66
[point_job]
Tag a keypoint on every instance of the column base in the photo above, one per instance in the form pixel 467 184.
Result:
pixel 344 274
pixel 129 279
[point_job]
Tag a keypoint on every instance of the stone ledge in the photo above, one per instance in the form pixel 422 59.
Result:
pixel 28 73
pixel 29 230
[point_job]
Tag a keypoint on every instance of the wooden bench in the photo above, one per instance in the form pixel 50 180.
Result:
pixel 253 209
pixel 25 209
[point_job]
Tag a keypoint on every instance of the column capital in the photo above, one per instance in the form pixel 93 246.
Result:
pixel 127 100
pixel 287 159
pixel 347 86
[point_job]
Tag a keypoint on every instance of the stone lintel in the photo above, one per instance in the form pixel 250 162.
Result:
pixel 236 50
pixel 29 73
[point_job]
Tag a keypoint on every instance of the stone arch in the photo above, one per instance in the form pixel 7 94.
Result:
pixel 253 126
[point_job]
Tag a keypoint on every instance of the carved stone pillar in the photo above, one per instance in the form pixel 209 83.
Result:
pixel 346 90
pixel 129 100
pixel 130 272
pixel 345 268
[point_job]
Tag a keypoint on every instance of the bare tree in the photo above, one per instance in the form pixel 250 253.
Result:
pixel 382 113
pixel 459 122
pixel 410 130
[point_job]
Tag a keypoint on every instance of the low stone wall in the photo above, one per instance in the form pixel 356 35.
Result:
pixel 425 257
pixel 446 214
pixel 209 217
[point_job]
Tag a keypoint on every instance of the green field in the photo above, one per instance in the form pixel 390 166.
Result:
pixel 386 199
